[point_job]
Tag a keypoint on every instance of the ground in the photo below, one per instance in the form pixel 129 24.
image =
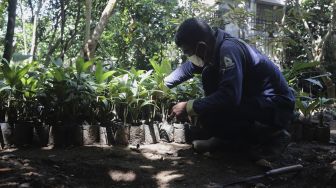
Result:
pixel 159 165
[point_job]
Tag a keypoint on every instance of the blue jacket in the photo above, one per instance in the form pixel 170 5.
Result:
pixel 237 72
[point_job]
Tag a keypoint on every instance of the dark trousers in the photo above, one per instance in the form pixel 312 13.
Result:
pixel 253 118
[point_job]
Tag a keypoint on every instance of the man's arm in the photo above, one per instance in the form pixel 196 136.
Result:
pixel 229 91
pixel 181 74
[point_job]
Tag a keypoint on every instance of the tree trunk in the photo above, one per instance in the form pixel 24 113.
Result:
pixel 72 35
pixel 310 53
pixel 34 36
pixel 91 44
pixel 88 12
pixel 283 22
pixel 331 31
pixel 31 10
pixel 62 27
pixel 7 55
pixel 52 44
pixel 23 31
pixel 327 54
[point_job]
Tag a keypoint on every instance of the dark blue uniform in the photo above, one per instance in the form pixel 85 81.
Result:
pixel 240 85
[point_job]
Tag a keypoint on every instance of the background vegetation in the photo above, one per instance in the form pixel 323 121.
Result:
pixel 110 57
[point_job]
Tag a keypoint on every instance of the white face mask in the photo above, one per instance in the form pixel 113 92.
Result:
pixel 196 60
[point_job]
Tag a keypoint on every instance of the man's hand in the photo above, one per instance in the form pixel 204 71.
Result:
pixel 179 110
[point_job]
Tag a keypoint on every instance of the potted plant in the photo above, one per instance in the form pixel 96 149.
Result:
pixel 5 128
pixel 306 105
pixel 121 94
pixel 323 128
pixel 14 75
pixel 163 96
pixel 101 110
pixel 60 103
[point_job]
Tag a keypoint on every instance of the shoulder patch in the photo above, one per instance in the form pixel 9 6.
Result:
pixel 227 63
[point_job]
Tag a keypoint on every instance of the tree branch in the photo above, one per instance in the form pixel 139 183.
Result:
pixel 90 46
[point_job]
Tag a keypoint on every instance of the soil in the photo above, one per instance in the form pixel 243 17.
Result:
pixel 160 165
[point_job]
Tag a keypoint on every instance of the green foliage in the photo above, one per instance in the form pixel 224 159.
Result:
pixel 136 23
pixel 100 75
pixel 237 14
pixel 294 72
pixel 3 8
pixel 76 93
pixel 317 15
pixel 139 37
pixel 306 105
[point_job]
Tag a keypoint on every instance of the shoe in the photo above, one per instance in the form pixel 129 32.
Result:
pixel 210 145
pixel 276 143
pixel 279 142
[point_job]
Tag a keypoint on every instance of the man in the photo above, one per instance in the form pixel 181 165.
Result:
pixel 246 96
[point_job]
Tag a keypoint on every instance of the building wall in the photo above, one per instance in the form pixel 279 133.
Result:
pixel 255 31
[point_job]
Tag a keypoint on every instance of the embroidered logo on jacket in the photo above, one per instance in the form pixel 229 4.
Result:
pixel 227 63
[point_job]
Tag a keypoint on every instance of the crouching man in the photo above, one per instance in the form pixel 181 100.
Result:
pixel 246 96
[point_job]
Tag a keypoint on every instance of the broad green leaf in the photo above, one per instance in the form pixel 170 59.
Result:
pixel 22 72
pixel 20 57
pixel 99 72
pixel 312 106
pixel 304 65
pixel 145 76
pixel 58 62
pixel 106 75
pixel 5 88
pixel 155 66
pixel 86 65
pixel 315 82
pixel 166 67
pixel 57 74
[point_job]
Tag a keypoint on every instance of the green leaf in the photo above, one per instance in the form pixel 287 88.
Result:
pixel 315 82
pixel 155 66
pixel 57 74
pixel 100 75
pixel 325 101
pixel 58 62
pixel 99 72
pixel 22 72
pixel 5 88
pixel 166 67
pixel 20 57
pixel 106 75
pixel 312 106
pixel 147 103
pixel 82 66
pixel 145 76
pixel 86 65
pixel 304 65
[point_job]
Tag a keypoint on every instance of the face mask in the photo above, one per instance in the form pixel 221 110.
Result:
pixel 196 60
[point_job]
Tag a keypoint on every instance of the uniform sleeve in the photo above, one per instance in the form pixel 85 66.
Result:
pixel 229 92
pixel 181 74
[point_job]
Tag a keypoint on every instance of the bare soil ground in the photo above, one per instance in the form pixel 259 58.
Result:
pixel 159 165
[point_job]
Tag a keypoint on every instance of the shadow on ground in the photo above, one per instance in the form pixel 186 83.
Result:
pixel 159 165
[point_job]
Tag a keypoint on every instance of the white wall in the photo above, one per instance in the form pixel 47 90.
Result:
pixel 273 2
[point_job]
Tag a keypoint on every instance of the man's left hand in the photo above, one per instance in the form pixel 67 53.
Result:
pixel 179 110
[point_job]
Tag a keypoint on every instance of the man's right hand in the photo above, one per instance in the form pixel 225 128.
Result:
pixel 179 110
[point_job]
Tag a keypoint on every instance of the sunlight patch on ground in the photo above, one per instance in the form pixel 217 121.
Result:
pixel 117 175
pixel 151 156
pixel 164 177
